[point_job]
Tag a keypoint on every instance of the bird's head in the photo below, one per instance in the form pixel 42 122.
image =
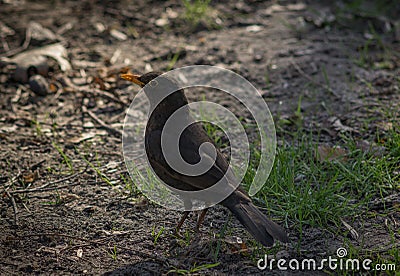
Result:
pixel 141 80
pixel 159 88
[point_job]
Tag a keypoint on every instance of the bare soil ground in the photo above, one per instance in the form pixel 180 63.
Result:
pixel 78 211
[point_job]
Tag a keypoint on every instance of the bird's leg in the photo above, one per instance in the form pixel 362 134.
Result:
pixel 201 219
pixel 181 221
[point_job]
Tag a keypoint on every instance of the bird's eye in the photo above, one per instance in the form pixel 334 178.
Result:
pixel 153 83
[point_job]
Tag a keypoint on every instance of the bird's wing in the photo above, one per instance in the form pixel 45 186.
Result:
pixel 192 138
pixel 189 150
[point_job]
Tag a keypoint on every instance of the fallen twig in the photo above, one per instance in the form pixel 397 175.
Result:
pixel 43 187
pixel 15 178
pixel 12 181
pixel 91 90
pixel 24 46
pixel 113 131
pixel 14 205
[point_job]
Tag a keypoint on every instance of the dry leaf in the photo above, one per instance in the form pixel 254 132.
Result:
pixel 353 232
pixel 236 244
pixel 41 33
pixel 56 51
pixel 328 153
pixel 67 197
pixel 337 124
pixel 385 125
pixel 30 177
pixel 372 148
pixel 53 88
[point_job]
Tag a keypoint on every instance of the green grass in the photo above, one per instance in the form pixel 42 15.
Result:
pixel 215 132
pixel 173 60
pixel 196 11
pixel 366 59
pixel 157 234
pixel 375 52
pixel 129 186
pixel 65 157
pixel 112 252
pixel 149 184
pixel 221 235
pixel 96 168
pixel 304 190
pixel 57 199
pixel 373 9
pixel 38 128
pixel 267 78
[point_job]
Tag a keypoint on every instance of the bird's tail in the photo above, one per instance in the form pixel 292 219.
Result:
pixel 258 225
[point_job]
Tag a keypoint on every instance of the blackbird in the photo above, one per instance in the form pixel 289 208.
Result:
pixel 238 202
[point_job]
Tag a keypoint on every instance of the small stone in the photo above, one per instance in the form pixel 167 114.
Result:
pixel 258 57
pixel 39 85
pixel 99 27
pixel 171 13
pixel 161 22
pixel 118 35
pixel 254 28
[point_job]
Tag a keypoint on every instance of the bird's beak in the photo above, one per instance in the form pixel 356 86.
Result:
pixel 133 78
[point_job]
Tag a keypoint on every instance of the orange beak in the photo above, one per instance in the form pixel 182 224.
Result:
pixel 133 78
